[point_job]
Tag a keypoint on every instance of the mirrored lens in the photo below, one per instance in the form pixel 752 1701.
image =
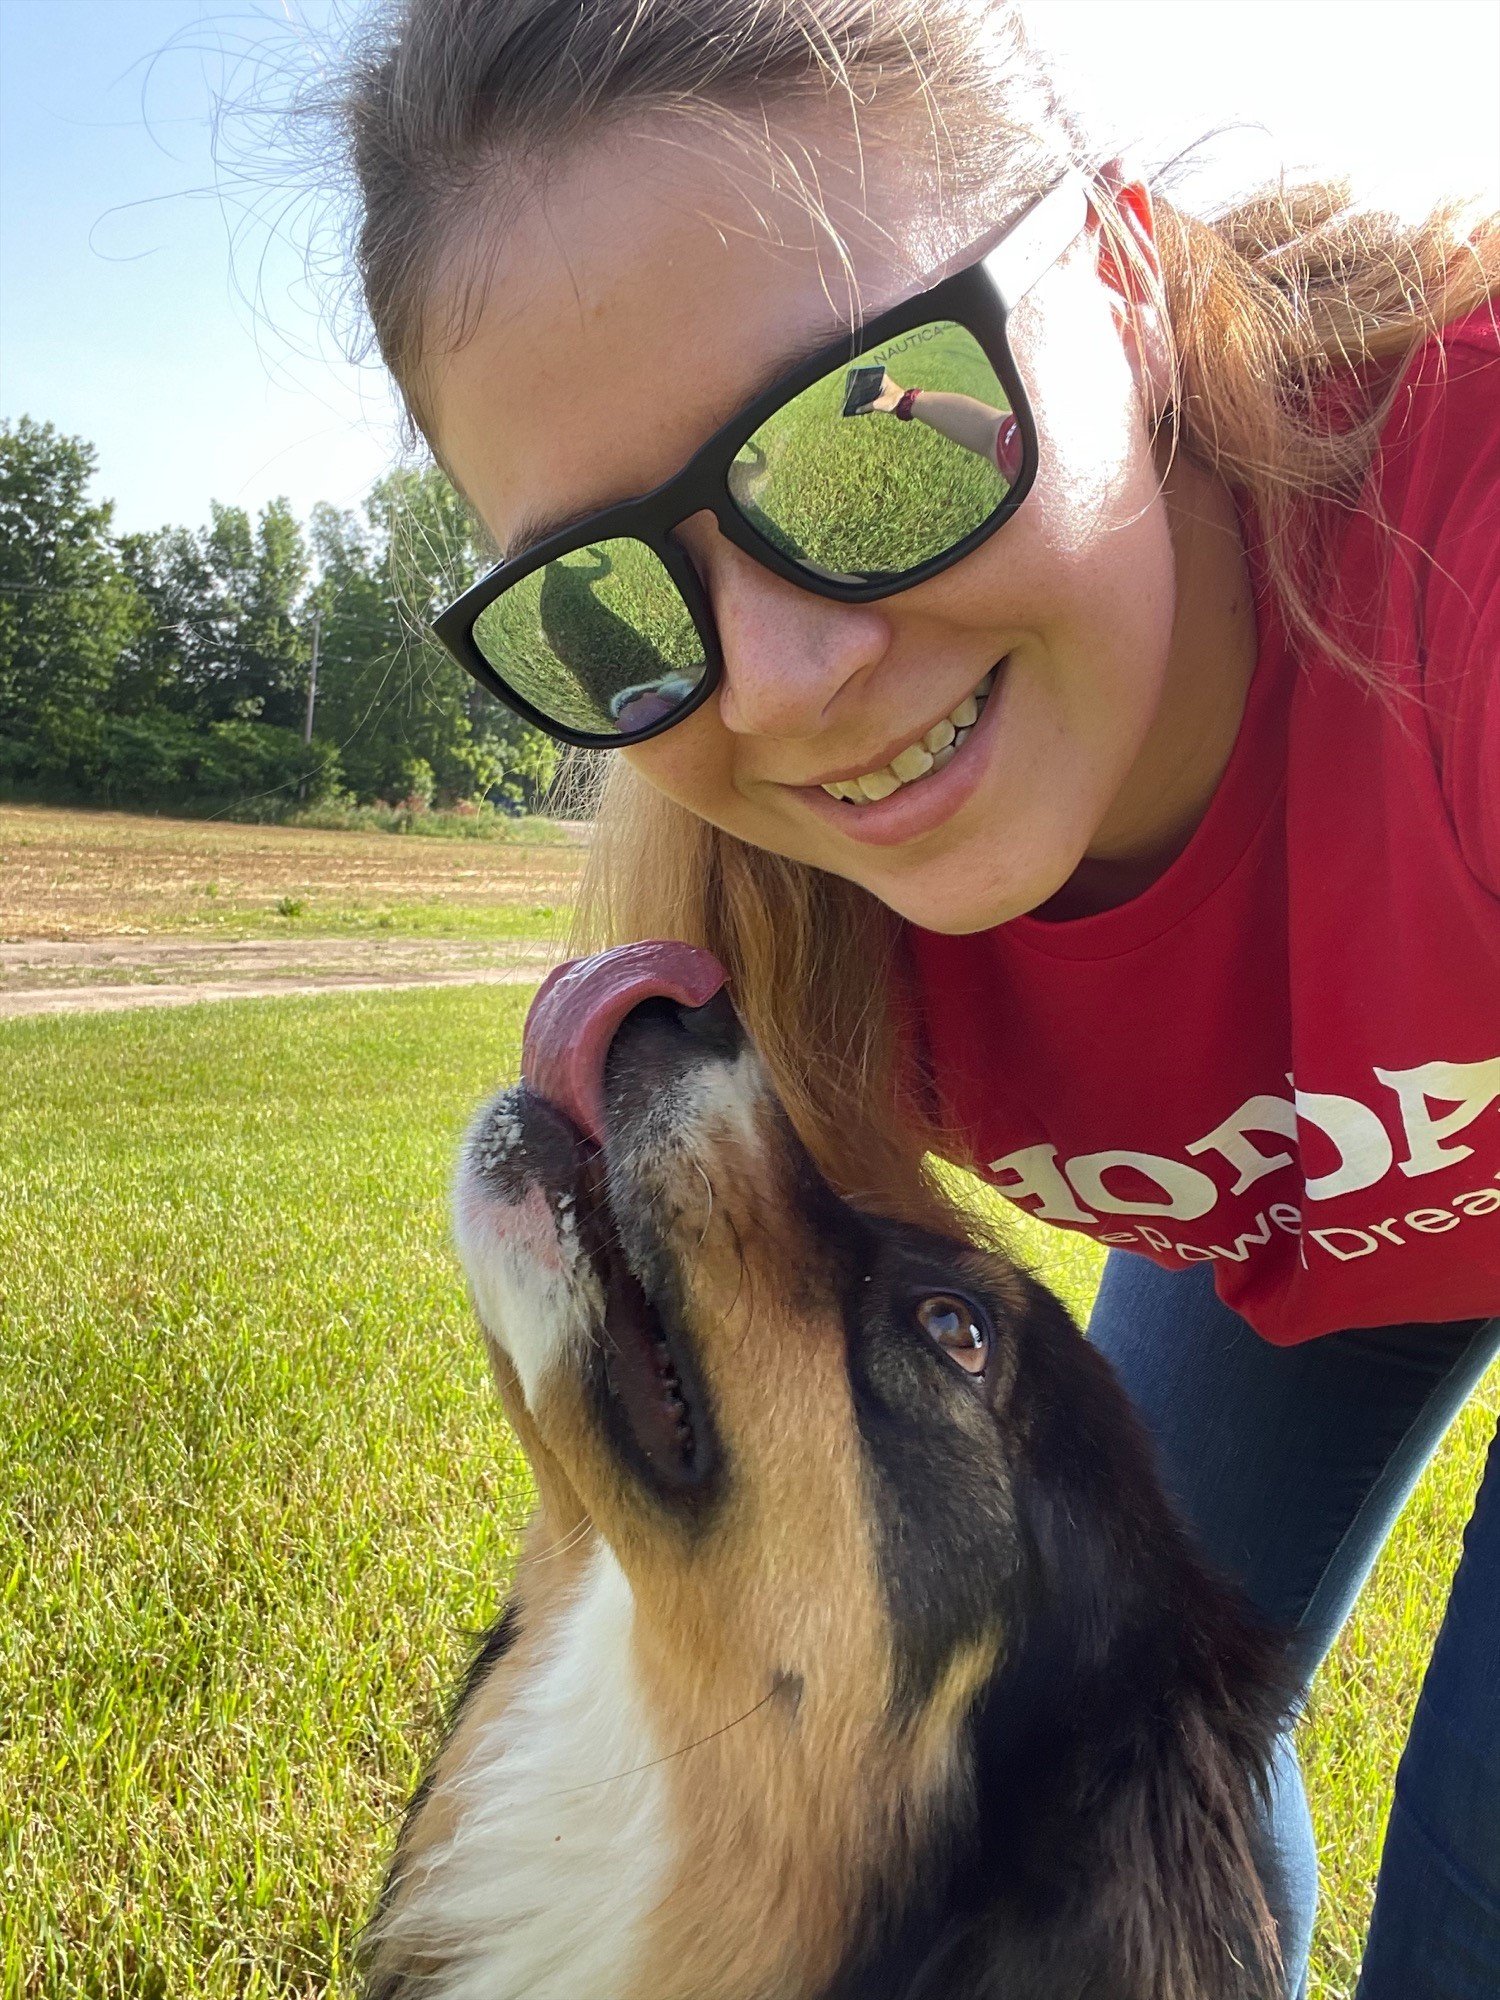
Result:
pixel 887 463
pixel 600 640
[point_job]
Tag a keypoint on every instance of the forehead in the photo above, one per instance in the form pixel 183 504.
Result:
pixel 650 286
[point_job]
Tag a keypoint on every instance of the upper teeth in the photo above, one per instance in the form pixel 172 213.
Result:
pixel 929 753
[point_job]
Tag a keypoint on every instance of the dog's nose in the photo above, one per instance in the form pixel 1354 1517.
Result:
pixel 714 1026
pixel 677 1032
pixel 581 1007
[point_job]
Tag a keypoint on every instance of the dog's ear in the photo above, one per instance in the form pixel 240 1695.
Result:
pixel 1122 1751
pixel 1106 1847
pixel 1160 1693
pixel 1119 1808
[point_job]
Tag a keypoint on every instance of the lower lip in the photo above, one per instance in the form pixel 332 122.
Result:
pixel 921 807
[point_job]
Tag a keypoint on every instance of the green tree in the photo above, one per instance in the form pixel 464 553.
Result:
pixel 175 665
pixel 403 713
pixel 156 667
pixel 68 608
pixel 248 655
pixel 360 654
pixel 273 638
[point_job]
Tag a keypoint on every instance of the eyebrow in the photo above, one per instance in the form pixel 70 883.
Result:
pixel 535 528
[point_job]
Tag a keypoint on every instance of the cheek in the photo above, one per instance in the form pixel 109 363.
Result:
pixel 1096 515
pixel 693 764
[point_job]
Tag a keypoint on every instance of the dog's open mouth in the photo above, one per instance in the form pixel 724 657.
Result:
pixel 580 1008
pixel 560 1132
pixel 653 1402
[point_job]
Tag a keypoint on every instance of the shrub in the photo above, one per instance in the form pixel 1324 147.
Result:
pixel 242 758
pixel 479 821
pixel 415 784
pixel 145 758
pixel 160 758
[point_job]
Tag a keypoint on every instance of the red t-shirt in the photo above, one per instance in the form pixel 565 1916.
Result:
pixel 1283 1058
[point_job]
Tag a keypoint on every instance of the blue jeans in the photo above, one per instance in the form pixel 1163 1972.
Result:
pixel 1293 1464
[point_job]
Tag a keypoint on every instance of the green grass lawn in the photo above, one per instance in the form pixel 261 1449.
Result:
pixel 255 1493
pixel 291 917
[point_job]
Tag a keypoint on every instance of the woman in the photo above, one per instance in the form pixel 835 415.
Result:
pixel 1132 762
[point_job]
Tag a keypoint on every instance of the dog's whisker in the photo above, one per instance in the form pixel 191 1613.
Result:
pixel 569 1541
pixel 684 1886
pixel 670 1756
pixel 708 1218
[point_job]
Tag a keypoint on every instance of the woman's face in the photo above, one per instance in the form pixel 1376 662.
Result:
pixel 652 288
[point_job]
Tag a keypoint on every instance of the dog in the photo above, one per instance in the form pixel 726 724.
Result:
pixel 855 1652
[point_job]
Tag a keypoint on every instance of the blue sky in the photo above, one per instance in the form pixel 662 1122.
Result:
pixel 129 269
pixel 142 308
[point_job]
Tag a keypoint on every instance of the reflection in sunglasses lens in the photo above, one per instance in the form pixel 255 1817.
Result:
pixel 600 640
pixel 885 464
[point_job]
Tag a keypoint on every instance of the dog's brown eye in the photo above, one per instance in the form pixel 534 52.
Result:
pixel 952 1323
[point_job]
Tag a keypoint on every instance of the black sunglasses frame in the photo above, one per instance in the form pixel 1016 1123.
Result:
pixel 970 298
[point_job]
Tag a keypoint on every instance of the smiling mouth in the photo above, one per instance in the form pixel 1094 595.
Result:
pixel 931 752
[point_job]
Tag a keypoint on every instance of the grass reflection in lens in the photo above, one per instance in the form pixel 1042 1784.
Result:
pixel 599 640
pixel 837 479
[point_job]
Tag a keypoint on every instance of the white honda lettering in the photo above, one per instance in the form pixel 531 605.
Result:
pixel 1037 1177
pixel 1188 1194
pixel 1257 1114
pixel 1363 1144
pixel 1243 1244
pixel 1437 1100
pixel 1360 1243
pixel 1471 1088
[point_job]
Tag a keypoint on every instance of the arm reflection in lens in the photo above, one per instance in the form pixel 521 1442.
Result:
pixel 974 426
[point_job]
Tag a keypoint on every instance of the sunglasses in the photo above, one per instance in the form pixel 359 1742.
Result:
pixel 876 463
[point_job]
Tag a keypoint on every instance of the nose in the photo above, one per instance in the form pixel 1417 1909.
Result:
pixel 788 653
pixel 657 1044
pixel 679 1032
pixel 714 1027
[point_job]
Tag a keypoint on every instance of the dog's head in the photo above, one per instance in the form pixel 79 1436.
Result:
pixel 942 1701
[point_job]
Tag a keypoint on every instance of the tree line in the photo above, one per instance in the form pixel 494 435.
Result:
pixel 175 668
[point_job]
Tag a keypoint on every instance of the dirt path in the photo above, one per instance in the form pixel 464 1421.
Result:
pixel 97 975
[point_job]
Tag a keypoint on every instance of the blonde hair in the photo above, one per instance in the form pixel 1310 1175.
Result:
pixel 1264 309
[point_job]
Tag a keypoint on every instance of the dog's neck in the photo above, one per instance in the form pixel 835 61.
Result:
pixel 547 1812
pixel 609 1828
pixel 626 1810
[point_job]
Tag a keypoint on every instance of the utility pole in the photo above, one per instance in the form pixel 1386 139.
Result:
pixel 312 678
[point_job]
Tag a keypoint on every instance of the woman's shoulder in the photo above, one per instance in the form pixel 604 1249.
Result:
pixel 1441 439
pixel 1438 480
pixel 1429 509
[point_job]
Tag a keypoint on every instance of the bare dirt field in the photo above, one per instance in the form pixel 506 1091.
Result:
pixel 103 910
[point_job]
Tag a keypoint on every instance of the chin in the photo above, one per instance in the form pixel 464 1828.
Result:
pixel 964 892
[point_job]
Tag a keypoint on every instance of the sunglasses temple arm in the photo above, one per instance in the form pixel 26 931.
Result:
pixel 1036 242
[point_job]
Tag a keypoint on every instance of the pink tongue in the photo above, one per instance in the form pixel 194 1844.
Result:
pixel 578 1010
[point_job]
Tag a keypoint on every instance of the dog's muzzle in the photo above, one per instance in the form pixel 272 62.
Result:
pixel 564 1200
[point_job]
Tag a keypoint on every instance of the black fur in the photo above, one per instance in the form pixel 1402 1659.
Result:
pixel 1119 1749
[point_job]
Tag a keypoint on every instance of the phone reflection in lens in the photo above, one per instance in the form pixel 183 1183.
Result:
pixel 636 708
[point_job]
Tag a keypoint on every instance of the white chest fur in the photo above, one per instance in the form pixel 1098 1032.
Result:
pixel 562 1848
